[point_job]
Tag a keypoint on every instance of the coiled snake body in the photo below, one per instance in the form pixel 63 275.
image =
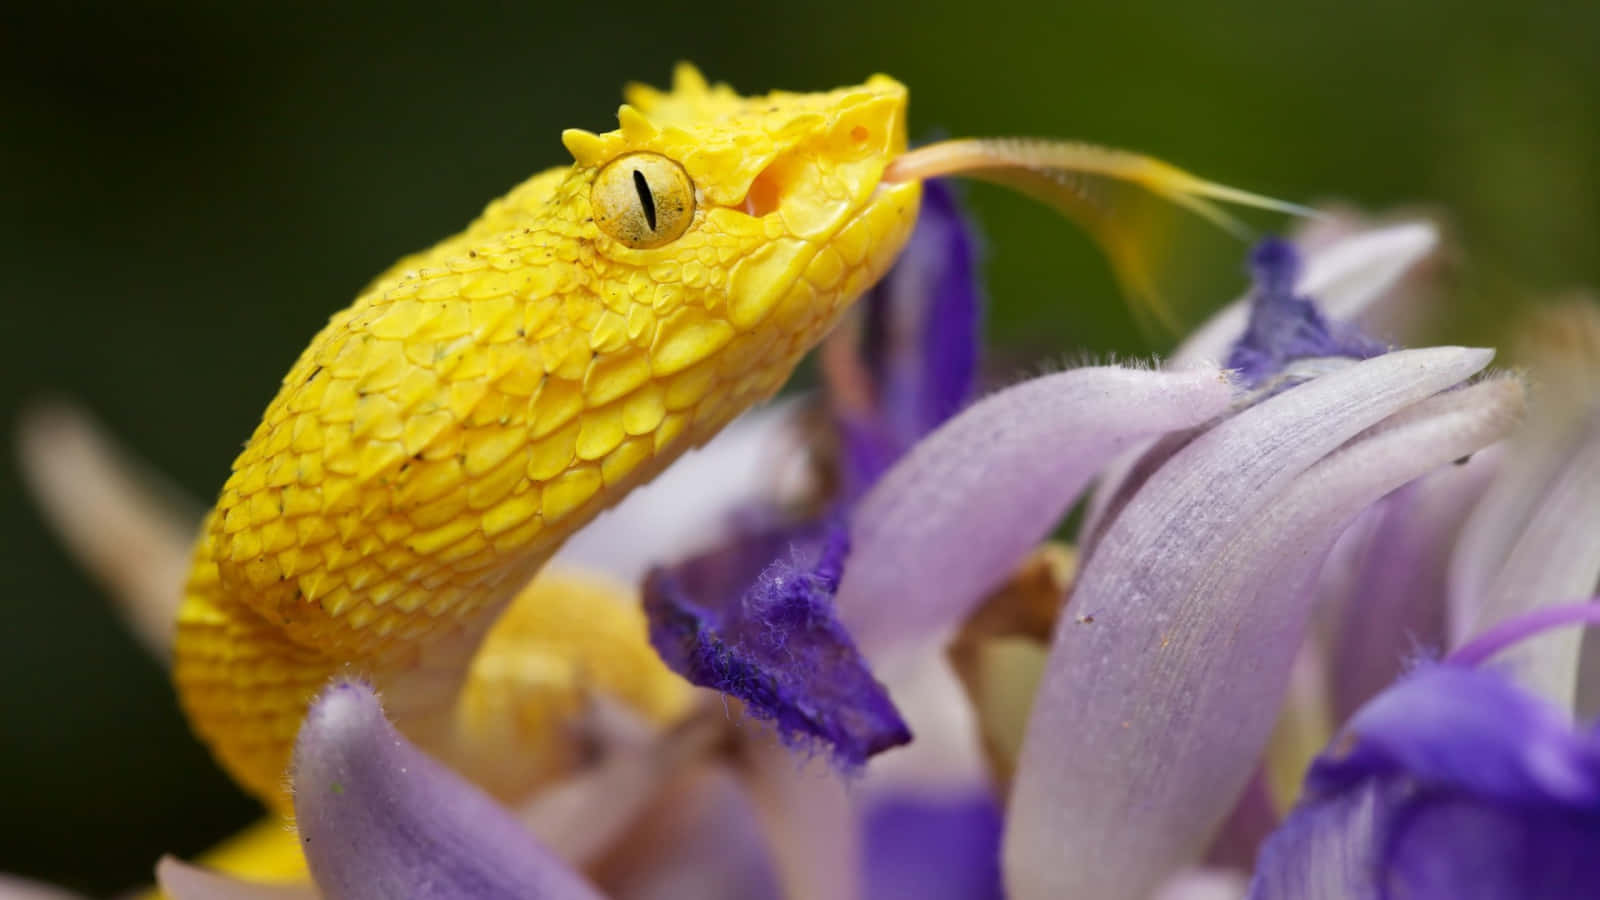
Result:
pixel 483 399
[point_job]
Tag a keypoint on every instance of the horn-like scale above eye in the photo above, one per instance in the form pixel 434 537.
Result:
pixel 643 200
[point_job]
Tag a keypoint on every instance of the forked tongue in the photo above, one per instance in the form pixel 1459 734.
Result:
pixel 1109 193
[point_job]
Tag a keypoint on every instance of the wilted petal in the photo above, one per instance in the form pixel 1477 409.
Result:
pixel 965 505
pixel 771 639
pixel 1344 277
pixel 1284 325
pixel 181 881
pixel 379 819
pixel 1149 718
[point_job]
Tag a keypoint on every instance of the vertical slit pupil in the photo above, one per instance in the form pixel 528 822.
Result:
pixel 646 199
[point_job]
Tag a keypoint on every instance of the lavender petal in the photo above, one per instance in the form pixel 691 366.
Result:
pixel 379 819
pixel 1554 557
pixel 1394 605
pixel 959 511
pixel 1148 721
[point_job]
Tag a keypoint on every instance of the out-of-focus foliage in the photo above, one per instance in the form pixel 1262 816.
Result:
pixel 190 189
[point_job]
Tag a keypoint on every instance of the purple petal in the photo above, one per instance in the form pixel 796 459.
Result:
pixel 1462 849
pixel 181 881
pixel 776 646
pixel 1345 278
pixel 1453 783
pixel 957 514
pixel 1394 601
pixel 1148 720
pixel 1284 327
pixel 1470 730
pixel 933 847
pixel 925 314
pixel 1323 852
pixel 921 342
pixel 379 819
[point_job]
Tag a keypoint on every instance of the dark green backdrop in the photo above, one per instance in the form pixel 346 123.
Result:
pixel 188 191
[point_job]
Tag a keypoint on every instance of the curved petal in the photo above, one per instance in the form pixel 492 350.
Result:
pixel 1469 730
pixel 379 819
pixel 1149 718
pixel 1395 600
pixel 1535 538
pixel 1554 555
pixel 965 505
pixel 1344 277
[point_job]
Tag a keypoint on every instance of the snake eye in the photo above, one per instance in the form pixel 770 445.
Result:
pixel 642 200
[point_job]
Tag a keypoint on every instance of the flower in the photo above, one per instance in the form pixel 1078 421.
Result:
pixel 1246 521
pixel 1452 783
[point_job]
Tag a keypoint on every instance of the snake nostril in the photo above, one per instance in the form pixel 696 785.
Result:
pixel 764 194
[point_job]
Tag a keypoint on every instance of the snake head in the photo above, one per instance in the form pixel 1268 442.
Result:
pixel 748 207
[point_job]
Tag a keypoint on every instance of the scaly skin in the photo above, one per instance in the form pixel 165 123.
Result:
pixel 482 400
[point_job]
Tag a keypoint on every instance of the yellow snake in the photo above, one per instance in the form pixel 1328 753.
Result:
pixel 480 401
pixel 483 399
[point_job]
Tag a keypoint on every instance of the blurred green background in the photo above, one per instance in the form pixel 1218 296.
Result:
pixel 189 190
